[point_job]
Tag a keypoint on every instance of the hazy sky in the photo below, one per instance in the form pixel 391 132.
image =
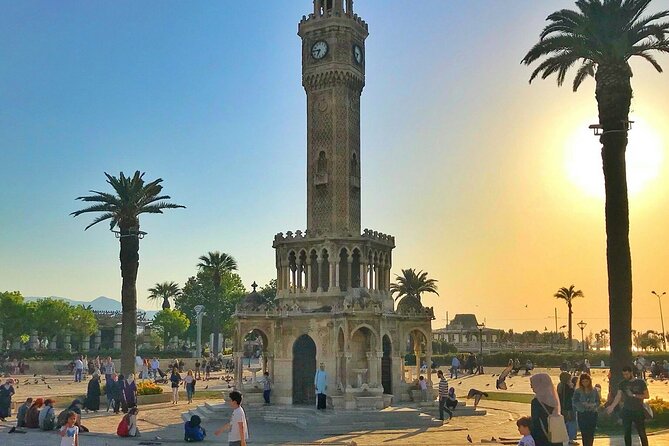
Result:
pixel 491 185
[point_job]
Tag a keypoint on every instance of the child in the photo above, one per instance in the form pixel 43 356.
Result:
pixel 422 384
pixel 69 433
pixel 524 430
pixel 193 431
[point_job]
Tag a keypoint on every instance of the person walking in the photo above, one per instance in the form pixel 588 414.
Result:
pixel 238 431
pixel 443 395
pixel 92 401
pixel 544 404
pixel 189 385
pixel 586 401
pixel 267 388
pixel 321 385
pixel 631 392
pixel 565 392
pixel 6 393
pixel 175 381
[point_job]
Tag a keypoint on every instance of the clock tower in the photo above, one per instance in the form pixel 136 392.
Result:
pixel 333 76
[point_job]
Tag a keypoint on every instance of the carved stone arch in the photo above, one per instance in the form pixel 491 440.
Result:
pixel 376 339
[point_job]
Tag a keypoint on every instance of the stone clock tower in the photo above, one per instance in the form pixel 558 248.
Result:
pixel 333 304
pixel 333 75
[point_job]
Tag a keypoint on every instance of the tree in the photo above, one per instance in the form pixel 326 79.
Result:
pixel 164 291
pixel 82 322
pixel 131 197
pixel 219 306
pixel 413 284
pixel 12 315
pixel 602 35
pixel 650 340
pixel 268 292
pixel 568 295
pixel 170 323
pixel 50 317
pixel 216 264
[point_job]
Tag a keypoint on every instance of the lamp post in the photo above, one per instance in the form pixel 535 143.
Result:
pixel 198 314
pixel 659 301
pixel 582 325
pixel 480 327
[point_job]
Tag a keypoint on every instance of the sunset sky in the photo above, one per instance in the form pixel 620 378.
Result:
pixel 491 185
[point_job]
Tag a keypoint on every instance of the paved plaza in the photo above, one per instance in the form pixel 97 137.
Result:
pixel 163 423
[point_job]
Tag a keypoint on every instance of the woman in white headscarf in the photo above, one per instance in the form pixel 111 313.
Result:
pixel 545 403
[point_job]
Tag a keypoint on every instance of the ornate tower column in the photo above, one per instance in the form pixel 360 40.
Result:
pixel 333 76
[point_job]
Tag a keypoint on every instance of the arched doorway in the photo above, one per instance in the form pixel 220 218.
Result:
pixel 387 366
pixel 304 369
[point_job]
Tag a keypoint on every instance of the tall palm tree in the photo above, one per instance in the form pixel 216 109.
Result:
pixel 568 295
pixel 413 284
pixel 600 37
pixel 131 197
pixel 164 291
pixel 215 264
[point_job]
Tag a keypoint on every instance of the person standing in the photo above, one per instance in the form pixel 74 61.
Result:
pixel 130 391
pixel 631 392
pixel 109 372
pixel 175 381
pixel 565 392
pixel 69 433
pixel 544 404
pixel 422 385
pixel 117 396
pixel 267 388
pixel 92 401
pixel 238 431
pixel 321 385
pixel 455 366
pixel 586 402
pixel 189 385
pixel 155 367
pixel 78 369
pixel 197 369
pixel 443 395
pixel 6 392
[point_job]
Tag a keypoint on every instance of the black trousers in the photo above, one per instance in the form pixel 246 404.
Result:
pixel 637 418
pixel 587 423
pixel 321 401
pixel 443 407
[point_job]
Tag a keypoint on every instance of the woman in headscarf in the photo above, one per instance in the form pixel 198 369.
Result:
pixel 130 391
pixel 6 392
pixel 93 394
pixel 32 416
pixel 545 403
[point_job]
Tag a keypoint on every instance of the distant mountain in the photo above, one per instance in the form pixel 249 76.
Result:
pixel 101 303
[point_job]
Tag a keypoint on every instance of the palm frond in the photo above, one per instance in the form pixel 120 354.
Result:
pixel 586 69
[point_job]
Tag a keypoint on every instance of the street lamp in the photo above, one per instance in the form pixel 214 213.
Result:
pixel 582 325
pixel 664 339
pixel 198 314
pixel 480 326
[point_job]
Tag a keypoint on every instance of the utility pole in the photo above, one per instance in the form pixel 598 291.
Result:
pixel 659 301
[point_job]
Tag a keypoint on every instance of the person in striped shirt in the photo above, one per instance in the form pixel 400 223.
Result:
pixel 443 394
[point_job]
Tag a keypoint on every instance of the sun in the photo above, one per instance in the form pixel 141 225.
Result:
pixel 644 156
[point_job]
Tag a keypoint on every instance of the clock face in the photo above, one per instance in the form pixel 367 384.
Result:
pixel 357 54
pixel 319 49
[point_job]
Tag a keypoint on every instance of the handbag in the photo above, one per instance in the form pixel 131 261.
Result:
pixel 556 431
pixel 647 411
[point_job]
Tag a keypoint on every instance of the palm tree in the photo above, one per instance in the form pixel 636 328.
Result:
pixel 131 198
pixel 215 264
pixel 412 284
pixel 164 291
pixel 568 295
pixel 601 36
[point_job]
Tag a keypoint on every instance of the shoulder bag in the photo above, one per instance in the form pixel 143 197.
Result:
pixel 556 431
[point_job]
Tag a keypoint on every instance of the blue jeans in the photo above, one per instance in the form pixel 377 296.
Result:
pixel 265 395
pixel 78 373
pixel 572 429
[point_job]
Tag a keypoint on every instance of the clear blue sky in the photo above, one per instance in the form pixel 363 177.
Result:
pixel 207 95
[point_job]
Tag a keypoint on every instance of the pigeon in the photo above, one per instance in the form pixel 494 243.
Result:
pixel 48 386
pixel 34 375
pixel 206 387
pixel 460 383
pixel 469 438
pixel 500 383
pixel 487 385
pixel 59 379
pixel 511 385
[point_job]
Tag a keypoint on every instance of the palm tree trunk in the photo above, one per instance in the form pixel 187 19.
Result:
pixel 571 344
pixel 129 257
pixel 614 94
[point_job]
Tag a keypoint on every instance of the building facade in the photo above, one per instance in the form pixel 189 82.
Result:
pixel 333 304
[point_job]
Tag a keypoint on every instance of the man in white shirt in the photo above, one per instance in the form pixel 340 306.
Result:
pixel 238 432
pixel 321 385
pixel 78 369
pixel 155 367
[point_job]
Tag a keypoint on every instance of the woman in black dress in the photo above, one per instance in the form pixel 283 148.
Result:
pixel 6 392
pixel 545 403
pixel 93 394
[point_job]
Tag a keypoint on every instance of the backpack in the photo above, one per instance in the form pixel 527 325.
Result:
pixel 123 429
